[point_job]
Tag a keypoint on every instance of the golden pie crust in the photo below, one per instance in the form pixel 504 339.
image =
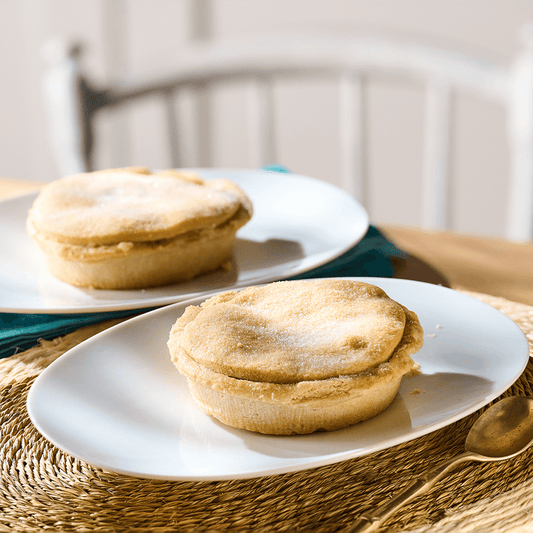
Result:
pixel 131 228
pixel 296 356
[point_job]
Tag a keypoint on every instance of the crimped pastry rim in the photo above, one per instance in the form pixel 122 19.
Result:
pixel 94 253
pixel 317 392
pixel 236 200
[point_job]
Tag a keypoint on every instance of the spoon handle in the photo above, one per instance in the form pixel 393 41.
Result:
pixel 370 521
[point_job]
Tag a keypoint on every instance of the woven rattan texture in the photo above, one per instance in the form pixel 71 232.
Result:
pixel 43 488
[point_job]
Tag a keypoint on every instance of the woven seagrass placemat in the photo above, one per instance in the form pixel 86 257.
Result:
pixel 43 488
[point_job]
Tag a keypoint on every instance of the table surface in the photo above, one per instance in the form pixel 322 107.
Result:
pixel 480 264
pixel 495 497
pixel 476 263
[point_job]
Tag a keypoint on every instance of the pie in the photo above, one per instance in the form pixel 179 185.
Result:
pixel 295 357
pixel 131 228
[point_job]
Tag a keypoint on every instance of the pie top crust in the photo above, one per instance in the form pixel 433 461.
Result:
pixel 133 205
pixel 291 340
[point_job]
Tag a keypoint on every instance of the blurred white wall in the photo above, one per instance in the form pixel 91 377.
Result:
pixel 124 37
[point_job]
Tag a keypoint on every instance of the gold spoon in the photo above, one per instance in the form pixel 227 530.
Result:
pixel 501 432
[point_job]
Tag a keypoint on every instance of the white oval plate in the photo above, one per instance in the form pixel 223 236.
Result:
pixel 299 223
pixel 116 401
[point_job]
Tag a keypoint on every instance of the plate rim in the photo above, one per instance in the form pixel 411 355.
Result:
pixel 317 461
pixel 140 303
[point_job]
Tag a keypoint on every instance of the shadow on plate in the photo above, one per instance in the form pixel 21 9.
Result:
pixel 250 255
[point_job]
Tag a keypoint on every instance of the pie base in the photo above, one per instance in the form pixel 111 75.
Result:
pixel 276 419
pixel 140 265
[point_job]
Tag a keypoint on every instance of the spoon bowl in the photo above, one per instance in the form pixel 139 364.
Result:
pixel 504 430
pixel 501 432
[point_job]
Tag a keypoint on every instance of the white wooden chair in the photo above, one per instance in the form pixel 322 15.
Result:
pixel 73 104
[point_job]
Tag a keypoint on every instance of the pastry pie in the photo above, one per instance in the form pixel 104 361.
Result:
pixel 295 357
pixel 130 228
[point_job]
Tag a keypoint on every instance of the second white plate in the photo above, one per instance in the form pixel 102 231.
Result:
pixel 116 401
pixel 299 223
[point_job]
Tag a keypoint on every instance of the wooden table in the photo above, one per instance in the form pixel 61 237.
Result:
pixel 486 265
pixel 10 188
pixel 481 264
pixel 43 487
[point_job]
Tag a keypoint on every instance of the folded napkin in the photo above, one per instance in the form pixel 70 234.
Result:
pixel 372 256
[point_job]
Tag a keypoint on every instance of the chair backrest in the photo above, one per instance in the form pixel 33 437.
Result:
pixel 73 103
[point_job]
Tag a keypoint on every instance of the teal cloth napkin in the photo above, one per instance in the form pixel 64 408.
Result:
pixel 372 256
